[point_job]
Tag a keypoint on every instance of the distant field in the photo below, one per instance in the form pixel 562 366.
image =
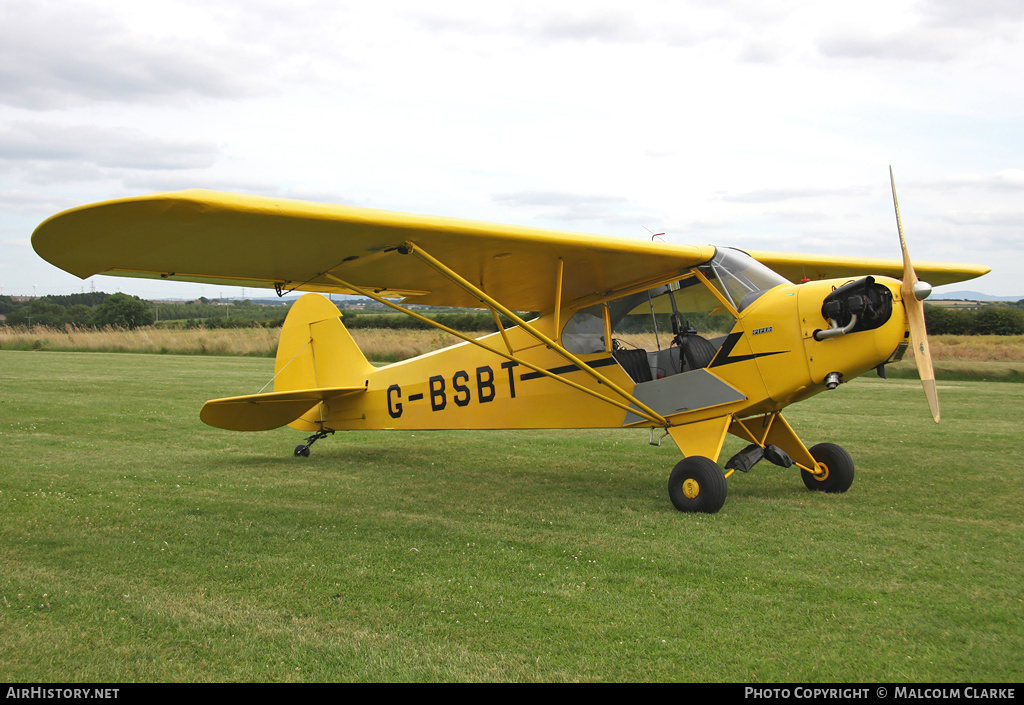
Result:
pixel 140 545
pixel 379 344
pixel 970 357
pixel 956 357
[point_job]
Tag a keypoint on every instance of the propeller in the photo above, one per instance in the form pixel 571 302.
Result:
pixel 914 292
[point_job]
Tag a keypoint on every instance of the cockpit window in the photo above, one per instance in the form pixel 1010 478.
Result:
pixel 676 327
pixel 740 277
pixel 584 332
pixel 645 319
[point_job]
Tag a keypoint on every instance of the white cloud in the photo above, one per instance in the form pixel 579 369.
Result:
pixel 1005 180
pixel 998 16
pixel 34 204
pixel 57 55
pixel 739 121
pixel 793 193
pixel 927 45
pixel 1014 219
pixel 102 146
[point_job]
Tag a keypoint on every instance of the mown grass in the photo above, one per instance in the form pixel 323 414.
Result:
pixel 139 545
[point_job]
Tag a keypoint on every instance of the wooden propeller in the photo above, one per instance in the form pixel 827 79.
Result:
pixel 914 292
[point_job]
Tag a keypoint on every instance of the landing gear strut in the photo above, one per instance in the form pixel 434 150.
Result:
pixel 302 450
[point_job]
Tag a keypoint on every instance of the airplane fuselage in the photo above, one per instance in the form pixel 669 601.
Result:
pixel 770 359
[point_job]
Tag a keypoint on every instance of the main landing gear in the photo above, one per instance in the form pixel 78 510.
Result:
pixel 302 450
pixel 698 484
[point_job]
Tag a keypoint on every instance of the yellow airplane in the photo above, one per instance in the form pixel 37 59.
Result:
pixel 797 324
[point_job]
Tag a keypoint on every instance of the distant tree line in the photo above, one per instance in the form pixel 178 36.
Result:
pixel 466 321
pixel 94 310
pixel 994 319
pixel 98 310
pixel 662 323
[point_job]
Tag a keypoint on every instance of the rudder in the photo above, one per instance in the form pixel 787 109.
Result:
pixel 316 350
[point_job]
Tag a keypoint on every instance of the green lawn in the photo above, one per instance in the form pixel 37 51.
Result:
pixel 140 545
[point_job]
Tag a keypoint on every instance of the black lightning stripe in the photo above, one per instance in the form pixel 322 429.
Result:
pixel 724 356
pixel 603 362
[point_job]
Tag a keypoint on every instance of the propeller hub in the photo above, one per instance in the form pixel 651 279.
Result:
pixel 922 290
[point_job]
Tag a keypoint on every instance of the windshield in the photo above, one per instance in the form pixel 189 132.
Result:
pixel 740 277
pixel 645 319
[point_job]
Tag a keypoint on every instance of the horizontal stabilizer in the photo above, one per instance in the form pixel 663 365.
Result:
pixel 263 412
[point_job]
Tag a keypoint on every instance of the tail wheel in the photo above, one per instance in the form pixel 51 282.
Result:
pixel 697 484
pixel 837 467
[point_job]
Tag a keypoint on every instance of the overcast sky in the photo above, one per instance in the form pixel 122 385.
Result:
pixel 727 123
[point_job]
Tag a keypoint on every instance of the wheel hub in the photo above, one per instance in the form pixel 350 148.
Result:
pixel 691 488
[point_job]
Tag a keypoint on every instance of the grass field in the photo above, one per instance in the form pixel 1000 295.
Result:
pixel 139 545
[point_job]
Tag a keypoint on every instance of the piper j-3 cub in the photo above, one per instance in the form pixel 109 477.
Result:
pixel 797 325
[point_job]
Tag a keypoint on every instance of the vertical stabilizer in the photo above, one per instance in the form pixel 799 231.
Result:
pixel 316 350
pixel 317 362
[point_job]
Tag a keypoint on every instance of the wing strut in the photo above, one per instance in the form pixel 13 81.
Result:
pixel 490 302
pixel 638 407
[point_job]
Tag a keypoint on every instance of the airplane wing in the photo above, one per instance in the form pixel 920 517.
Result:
pixel 230 239
pixel 800 267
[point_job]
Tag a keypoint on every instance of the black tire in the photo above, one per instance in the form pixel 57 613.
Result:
pixel 838 465
pixel 301 451
pixel 697 484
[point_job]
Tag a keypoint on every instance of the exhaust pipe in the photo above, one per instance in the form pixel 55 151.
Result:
pixel 820 335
